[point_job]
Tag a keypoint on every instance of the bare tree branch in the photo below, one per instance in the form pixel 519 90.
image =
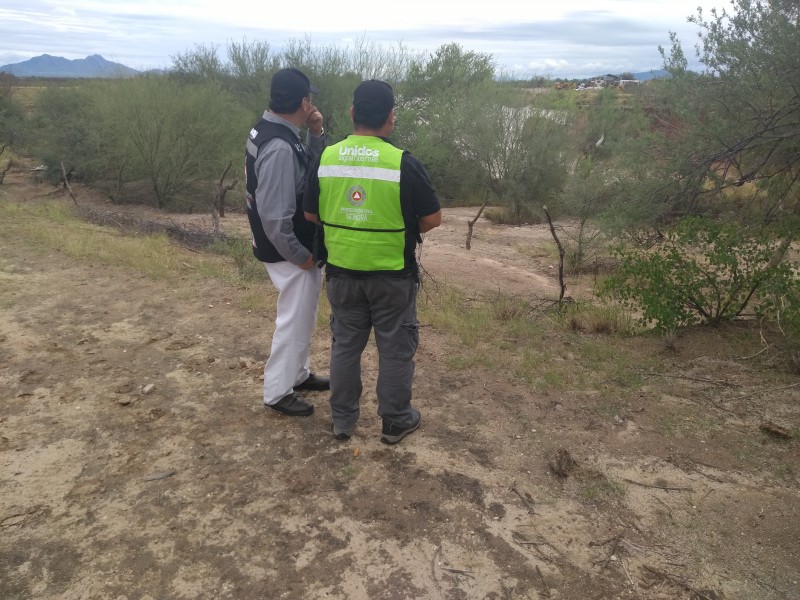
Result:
pixel 471 224
pixel 220 189
pixel 66 184
pixel 561 283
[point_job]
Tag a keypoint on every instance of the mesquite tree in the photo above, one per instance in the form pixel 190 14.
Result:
pixel 727 147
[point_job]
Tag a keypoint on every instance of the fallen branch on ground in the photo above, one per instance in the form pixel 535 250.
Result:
pixel 660 487
pixel 700 594
pixel 775 389
pixel 700 379
pixel 526 501
pixel 546 590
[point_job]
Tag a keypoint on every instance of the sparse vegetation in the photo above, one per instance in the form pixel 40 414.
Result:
pixel 616 163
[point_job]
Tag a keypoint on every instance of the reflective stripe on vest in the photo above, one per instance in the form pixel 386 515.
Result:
pixel 359 204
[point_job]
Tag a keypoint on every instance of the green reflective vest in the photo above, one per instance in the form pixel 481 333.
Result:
pixel 359 204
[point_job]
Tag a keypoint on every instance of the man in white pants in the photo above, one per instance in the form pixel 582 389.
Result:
pixel 276 166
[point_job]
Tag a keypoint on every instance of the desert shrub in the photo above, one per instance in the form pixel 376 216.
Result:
pixel 703 272
pixel 177 134
pixel 781 308
pixel 12 117
pixel 66 132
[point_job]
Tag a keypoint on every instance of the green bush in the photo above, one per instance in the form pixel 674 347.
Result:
pixel 781 308
pixel 12 116
pixel 705 272
pixel 178 134
pixel 66 132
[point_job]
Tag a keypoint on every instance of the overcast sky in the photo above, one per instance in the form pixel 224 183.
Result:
pixel 557 38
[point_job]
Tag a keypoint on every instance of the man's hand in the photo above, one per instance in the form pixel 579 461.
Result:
pixel 314 122
pixel 308 264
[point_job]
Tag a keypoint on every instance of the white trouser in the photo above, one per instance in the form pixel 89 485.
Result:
pixel 298 299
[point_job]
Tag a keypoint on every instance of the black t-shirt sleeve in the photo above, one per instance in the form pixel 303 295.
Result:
pixel 311 193
pixel 417 194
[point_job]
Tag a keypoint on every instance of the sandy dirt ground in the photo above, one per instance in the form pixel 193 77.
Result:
pixel 137 462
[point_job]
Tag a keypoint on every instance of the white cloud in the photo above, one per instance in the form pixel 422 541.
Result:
pixel 564 38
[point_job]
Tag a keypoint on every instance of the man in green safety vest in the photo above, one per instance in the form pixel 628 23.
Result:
pixel 374 201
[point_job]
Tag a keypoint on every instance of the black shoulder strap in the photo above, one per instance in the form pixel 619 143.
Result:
pixel 264 130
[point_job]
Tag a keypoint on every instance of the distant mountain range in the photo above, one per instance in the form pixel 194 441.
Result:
pixel 56 66
pixel 97 66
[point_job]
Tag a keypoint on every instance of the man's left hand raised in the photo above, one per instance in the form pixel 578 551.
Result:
pixel 314 123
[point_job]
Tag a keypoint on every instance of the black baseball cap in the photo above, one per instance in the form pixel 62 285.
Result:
pixel 373 99
pixel 290 85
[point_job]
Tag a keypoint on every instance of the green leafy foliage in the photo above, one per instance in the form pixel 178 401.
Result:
pixel 176 133
pixel 781 308
pixel 12 115
pixel 438 91
pixel 475 133
pixel 66 132
pixel 703 272
pixel 735 125
pixel 171 133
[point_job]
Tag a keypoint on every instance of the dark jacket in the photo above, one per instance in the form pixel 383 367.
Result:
pixel 262 132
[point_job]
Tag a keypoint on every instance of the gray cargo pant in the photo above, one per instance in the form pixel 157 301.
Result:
pixel 388 306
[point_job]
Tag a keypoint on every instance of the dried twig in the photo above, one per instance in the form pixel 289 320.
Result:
pixel 162 475
pixel 528 504
pixel 775 389
pixel 606 542
pixel 433 563
pixel 727 410
pixel 629 575
pixel 466 572
pixel 604 563
pixel 546 590
pixel 700 379
pixel 669 508
pixel 659 487
pixel 678 581
pixel 765 348
pixel 523 541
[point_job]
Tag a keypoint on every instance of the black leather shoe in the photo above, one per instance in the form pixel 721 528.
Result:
pixel 315 383
pixel 292 405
